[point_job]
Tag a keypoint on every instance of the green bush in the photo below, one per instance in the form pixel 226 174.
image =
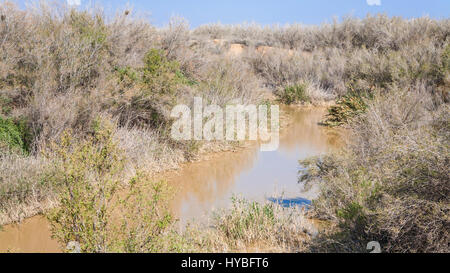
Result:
pixel 90 28
pixel 146 93
pixel 346 108
pixel 446 59
pixel 89 177
pixel 14 136
pixel 295 93
pixel 159 74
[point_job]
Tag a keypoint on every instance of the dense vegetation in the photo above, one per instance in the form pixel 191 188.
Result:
pixel 85 104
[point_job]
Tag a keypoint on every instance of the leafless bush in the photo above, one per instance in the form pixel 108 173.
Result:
pixel 129 38
pixel 391 183
pixel 378 32
pixel 145 149
pixel 281 68
pixel 229 80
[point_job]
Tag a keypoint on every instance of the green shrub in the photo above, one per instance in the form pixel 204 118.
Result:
pixel 25 187
pixel 147 93
pixel 159 74
pixel 295 93
pixel 89 28
pixel 14 136
pixel 346 108
pixel 89 177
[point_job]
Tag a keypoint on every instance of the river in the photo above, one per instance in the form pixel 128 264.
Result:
pixel 205 186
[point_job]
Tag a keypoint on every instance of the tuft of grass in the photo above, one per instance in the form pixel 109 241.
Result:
pixel 159 74
pixel 295 93
pixel 253 227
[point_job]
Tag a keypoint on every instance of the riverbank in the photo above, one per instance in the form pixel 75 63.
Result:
pixel 161 162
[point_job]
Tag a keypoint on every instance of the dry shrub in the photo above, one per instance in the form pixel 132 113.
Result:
pixel 363 54
pixel 75 111
pixel 379 32
pixel 129 39
pixel 279 69
pixel 146 149
pixel 228 81
pixel 391 184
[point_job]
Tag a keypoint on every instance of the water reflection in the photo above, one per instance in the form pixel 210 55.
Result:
pixel 291 202
pixel 206 186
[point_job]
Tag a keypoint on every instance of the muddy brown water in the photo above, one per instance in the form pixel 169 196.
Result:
pixel 207 186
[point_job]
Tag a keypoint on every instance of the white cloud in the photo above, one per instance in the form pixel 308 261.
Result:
pixel 374 2
pixel 74 2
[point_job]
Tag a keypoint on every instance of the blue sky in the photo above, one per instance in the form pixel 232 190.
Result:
pixel 199 12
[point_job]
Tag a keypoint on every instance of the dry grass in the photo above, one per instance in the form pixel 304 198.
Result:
pixel 24 190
